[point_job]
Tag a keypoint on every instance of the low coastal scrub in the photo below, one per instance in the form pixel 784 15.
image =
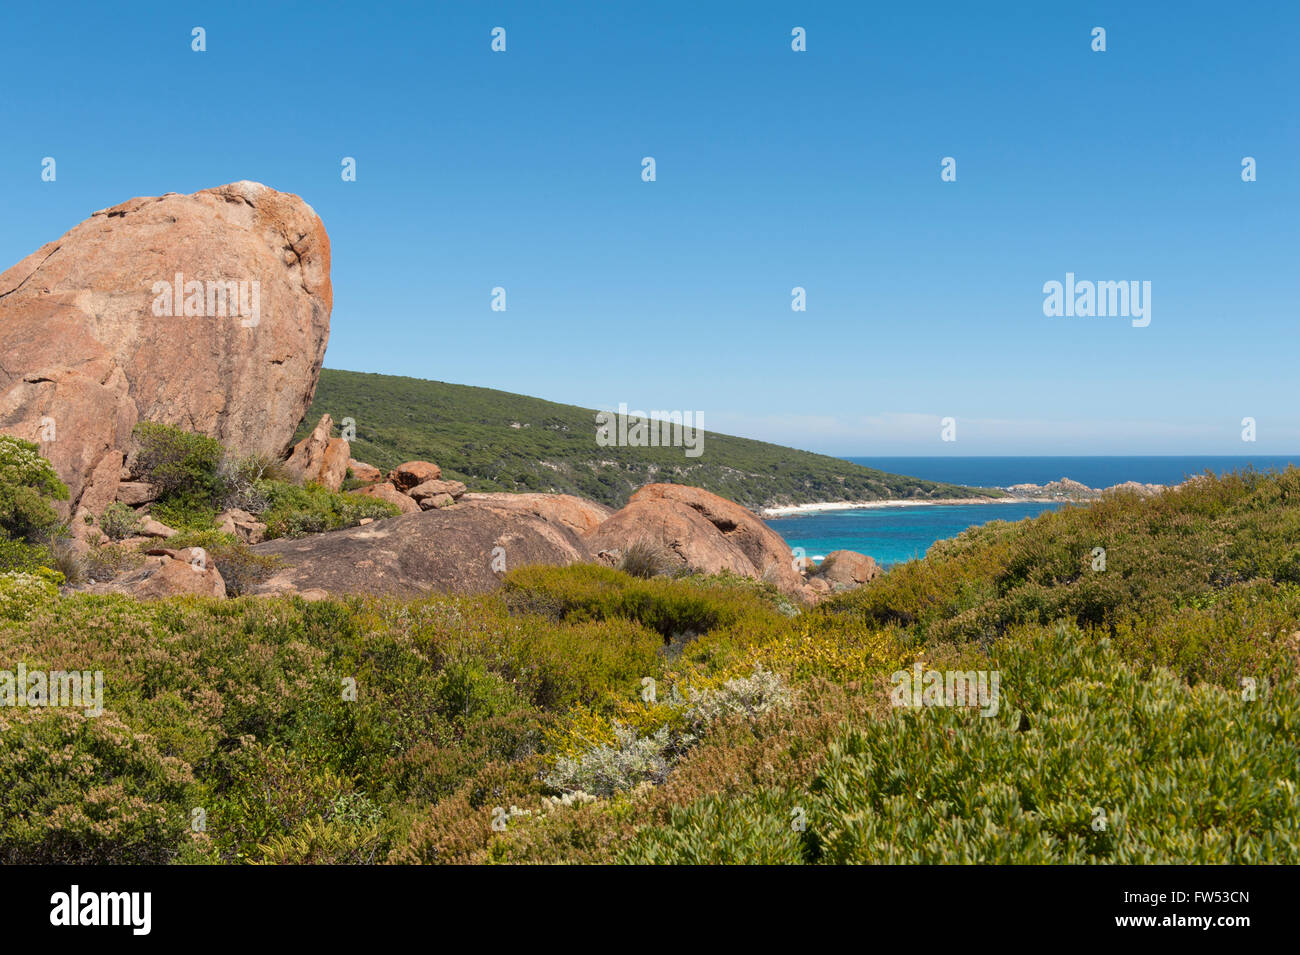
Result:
pixel 583 714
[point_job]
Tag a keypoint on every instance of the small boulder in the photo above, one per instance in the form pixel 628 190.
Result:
pixel 365 473
pixel 433 488
pixel 844 569
pixel 386 492
pixel 702 531
pixel 151 528
pixel 413 474
pixel 436 500
pixel 135 493
pixel 181 575
pixel 241 524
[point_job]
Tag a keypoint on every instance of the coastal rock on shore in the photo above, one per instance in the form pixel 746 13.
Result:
pixel 96 335
pixel 701 530
pixel 1069 490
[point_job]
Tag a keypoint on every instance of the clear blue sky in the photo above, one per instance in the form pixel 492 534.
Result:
pixel 775 169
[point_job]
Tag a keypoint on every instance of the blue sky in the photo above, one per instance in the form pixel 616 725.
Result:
pixel 775 169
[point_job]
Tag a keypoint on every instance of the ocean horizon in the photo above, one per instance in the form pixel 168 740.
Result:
pixel 1099 471
pixel 893 535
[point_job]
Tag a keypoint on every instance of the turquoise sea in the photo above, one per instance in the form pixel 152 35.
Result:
pixel 895 534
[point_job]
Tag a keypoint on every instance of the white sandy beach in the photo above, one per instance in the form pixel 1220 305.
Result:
pixel 794 510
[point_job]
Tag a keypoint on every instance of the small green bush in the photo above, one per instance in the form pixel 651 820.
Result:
pixel 294 511
pixel 118 521
pixel 179 463
pixel 23 594
pixel 27 486
pixel 87 790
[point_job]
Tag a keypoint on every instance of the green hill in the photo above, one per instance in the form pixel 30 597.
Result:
pixel 497 441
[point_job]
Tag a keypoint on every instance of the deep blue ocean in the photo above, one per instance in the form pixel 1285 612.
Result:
pixel 895 534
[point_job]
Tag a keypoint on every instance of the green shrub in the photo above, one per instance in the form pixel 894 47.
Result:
pixel 294 511
pixel 591 592
pixel 23 594
pixel 179 463
pixel 1087 760
pixel 104 561
pixel 27 486
pixel 606 769
pixel 20 556
pixel 118 521
pixel 87 790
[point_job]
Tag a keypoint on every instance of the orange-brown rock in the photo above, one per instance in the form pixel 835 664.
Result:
pixel 185 574
pixel 386 492
pixel 818 587
pixel 576 513
pixel 95 338
pixel 462 549
pixel 413 474
pixel 320 458
pixel 843 569
pixel 100 491
pixel 452 489
pixel 365 473
pixel 704 532
pixel 135 493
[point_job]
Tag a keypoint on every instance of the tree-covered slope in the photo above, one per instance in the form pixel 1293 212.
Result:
pixel 497 441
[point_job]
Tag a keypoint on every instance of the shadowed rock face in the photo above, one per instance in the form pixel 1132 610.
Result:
pixel 86 353
pixel 448 550
pixel 706 532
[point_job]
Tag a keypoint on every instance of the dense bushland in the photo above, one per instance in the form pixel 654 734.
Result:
pixel 586 715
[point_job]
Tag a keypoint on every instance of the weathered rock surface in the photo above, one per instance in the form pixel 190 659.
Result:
pixel 844 569
pixel 445 550
pixel 704 531
pixel 320 458
pixel 92 344
pixel 386 492
pixel 135 493
pixel 576 513
pixel 151 528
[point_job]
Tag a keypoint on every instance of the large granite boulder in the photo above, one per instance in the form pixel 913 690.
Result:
pixel 576 513
pixel 208 311
pixel 463 549
pixel 703 531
